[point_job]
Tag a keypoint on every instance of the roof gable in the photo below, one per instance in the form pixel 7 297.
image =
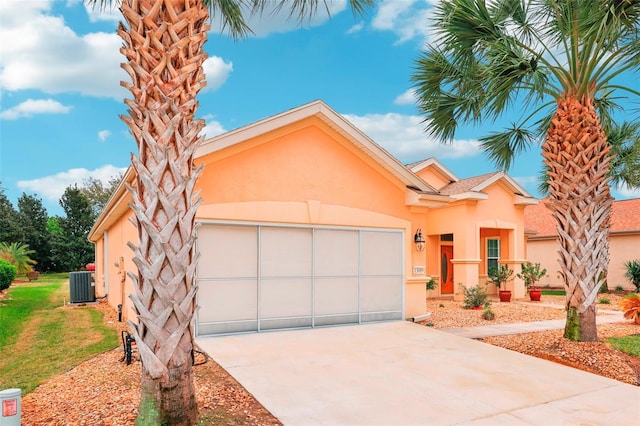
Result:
pixel 334 120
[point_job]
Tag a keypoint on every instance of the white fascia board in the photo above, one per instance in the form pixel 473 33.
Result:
pixel 508 180
pixel 116 199
pixel 470 195
pixel 525 201
pixel 432 161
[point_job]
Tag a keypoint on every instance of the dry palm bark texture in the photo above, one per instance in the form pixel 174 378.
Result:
pixel 163 44
pixel 577 155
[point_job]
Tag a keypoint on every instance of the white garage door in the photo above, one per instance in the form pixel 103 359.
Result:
pixel 254 278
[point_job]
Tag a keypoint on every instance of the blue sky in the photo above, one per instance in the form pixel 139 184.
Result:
pixel 61 99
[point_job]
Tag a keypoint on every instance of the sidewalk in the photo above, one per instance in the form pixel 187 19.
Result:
pixel 480 332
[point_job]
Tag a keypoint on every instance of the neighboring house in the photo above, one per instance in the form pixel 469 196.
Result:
pixel 624 241
pixel 305 221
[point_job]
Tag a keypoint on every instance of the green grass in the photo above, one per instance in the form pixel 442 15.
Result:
pixel 39 338
pixel 627 344
pixel 553 292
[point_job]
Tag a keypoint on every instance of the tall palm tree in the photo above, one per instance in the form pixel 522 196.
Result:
pixel 164 47
pixel 555 62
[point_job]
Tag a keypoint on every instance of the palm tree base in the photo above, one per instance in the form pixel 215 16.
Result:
pixel 581 327
pixel 161 396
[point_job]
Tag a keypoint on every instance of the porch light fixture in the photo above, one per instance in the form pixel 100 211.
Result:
pixel 418 239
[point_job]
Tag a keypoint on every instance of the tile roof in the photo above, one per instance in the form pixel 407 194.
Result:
pixel 465 185
pixel 625 217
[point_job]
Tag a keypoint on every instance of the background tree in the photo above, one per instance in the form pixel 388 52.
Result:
pixel 9 227
pixel 32 218
pixel 164 50
pixel 98 193
pixel 558 61
pixel 57 255
pixel 75 226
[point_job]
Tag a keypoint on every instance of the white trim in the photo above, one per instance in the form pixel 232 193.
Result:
pixel 486 253
pixel 432 161
pixel 105 266
pixel 470 196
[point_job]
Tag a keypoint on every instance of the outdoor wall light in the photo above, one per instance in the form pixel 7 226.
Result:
pixel 418 239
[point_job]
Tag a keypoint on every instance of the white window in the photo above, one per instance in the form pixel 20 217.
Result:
pixel 493 253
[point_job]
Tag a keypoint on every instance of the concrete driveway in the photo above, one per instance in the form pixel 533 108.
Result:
pixel 400 373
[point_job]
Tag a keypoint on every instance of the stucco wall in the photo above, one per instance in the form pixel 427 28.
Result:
pixel 621 249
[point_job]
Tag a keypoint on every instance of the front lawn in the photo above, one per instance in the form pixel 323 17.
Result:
pixel 627 344
pixel 40 338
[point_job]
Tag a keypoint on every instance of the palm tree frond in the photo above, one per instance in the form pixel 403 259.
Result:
pixel 503 147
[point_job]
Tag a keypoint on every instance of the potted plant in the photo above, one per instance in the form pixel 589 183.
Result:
pixel 499 276
pixel 530 273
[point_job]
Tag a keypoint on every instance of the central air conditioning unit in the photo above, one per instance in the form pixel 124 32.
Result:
pixel 82 287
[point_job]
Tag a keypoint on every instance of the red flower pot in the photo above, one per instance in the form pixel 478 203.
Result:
pixel 535 294
pixel 505 295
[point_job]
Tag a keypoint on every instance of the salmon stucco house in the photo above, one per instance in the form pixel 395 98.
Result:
pixel 305 222
pixel 543 243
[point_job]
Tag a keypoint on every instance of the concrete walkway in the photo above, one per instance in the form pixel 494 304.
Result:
pixel 480 332
pixel 401 373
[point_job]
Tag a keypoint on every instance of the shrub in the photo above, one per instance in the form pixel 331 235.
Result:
pixel 431 284
pixel 619 289
pixel 630 305
pixel 604 301
pixel 7 274
pixel 488 313
pixel 633 273
pixel 474 297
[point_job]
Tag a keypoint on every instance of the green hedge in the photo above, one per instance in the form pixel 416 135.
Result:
pixel 7 274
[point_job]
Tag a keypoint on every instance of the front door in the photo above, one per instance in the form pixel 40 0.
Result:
pixel 446 270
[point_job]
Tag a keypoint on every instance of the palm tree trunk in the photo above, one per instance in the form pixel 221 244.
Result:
pixel 164 45
pixel 577 155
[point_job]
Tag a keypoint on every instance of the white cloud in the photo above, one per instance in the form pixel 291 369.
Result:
pixel 52 187
pixel 217 71
pixel 39 51
pixel 406 98
pixel 356 28
pixel 103 135
pixel 404 137
pixel 624 192
pixel 408 19
pixel 31 107
pixel 213 128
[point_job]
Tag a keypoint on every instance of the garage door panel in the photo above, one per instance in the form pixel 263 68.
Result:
pixel 285 298
pixel 262 277
pixel 336 296
pixel 381 253
pixel 336 252
pixel 381 294
pixel 228 251
pixel 228 300
pixel 285 252
pixel 227 327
